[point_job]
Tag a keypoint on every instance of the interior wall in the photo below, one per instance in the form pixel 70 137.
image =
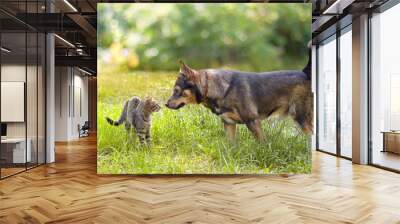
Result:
pixel 80 102
pixel 82 83
pixel 62 80
pixel 92 100
pixel 71 102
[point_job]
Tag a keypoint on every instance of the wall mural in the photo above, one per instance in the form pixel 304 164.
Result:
pixel 204 88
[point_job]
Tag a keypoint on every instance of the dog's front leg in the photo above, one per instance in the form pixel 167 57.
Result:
pixel 255 128
pixel 230 130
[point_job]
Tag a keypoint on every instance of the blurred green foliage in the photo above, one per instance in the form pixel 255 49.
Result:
pixel 254 37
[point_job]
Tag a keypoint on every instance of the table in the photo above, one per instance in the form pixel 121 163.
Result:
pixel 391 141
pixel 13 150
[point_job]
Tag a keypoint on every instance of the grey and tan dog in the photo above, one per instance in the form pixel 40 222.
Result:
pixel 247 98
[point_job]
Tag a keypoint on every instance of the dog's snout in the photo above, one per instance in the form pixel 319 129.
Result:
pixel 168 104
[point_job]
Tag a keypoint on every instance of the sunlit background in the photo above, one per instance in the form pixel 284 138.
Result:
pixel 152 37
pixel 139 46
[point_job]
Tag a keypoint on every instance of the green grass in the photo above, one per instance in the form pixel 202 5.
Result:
pixel 189 140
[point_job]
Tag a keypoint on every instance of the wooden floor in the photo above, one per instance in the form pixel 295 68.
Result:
pixel 69 191
pixel 387 159
pixel 10 171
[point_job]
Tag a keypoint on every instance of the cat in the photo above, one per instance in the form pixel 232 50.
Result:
pixel 137 114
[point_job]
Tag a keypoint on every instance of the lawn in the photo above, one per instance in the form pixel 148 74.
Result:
pixel 189 140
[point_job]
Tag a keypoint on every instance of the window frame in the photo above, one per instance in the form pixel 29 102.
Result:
pixel 381 9
pixel 338 33
pixel 27 29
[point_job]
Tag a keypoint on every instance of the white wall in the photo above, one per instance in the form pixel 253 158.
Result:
pixel 70 83
pixel 62 81
pixel 13 73
pixel 81 85
pixel 13 101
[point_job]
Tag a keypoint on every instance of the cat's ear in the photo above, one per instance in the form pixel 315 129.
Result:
pixel 190 73
pixel 149 100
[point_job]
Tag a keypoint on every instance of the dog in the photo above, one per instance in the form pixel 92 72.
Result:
pixel 239 97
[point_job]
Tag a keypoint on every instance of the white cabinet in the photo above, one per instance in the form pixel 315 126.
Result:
pixel 17 146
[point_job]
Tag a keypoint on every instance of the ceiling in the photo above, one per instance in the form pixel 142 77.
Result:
pixel 332 15
pixel 73 21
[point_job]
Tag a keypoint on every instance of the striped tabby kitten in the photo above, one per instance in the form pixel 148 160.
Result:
pixel 137 114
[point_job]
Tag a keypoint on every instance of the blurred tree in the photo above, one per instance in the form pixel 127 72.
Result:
pixel 256 37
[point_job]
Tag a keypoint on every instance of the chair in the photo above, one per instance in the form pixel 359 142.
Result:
pixel 84 130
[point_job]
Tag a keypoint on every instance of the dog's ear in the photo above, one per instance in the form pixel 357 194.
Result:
pixel 187 71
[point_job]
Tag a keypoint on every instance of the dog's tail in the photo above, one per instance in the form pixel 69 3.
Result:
pixel 307 69
pixel 122 117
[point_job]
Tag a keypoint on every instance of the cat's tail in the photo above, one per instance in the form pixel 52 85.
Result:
pixel 112 122
pixel 122 117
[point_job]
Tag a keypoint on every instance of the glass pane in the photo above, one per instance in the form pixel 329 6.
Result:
pixel 41 98
pixel 385 84
pixel 31 97
pixel 346 94
pixel 22 88
pixel 327 96
pixel 13 86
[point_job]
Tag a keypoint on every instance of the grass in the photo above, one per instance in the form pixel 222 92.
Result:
pixel 189 140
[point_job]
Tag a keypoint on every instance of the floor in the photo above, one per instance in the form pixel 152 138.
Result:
pixel 10 171
pixel 69 191
pixel 387 159
pixel 5 172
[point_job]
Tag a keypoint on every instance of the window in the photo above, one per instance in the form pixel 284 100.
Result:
pixel 385 89
pixel 327 96
pixel 346 92
pixel 22 77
